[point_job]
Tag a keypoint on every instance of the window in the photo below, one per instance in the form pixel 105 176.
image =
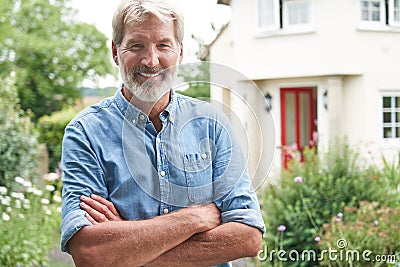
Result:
pixel 394 14
pixel 391 116
pixel 371 10
pixel 296 13
pixel 284 14
pixel 268 14
pixel 384 12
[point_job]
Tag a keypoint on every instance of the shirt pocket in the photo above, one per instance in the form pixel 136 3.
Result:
pixel 198 173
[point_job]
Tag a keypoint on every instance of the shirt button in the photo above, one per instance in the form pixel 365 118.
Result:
pixel 133 121
pixel 142 117
pixel 158 140
pixel 204 156
pixel 165 211
pixel 171 119
pixel 162 173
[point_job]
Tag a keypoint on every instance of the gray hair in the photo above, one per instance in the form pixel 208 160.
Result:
pixel 131 12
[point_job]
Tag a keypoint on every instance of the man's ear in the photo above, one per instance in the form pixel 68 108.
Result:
pixel 181 52
pixel 114 53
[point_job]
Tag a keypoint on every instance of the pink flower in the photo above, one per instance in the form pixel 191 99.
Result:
pixel 281 228
pixel 340 215
pixel 51 176
pixel 317 238
pixel 298 179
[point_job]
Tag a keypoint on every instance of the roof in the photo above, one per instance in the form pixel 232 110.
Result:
pixel 224 2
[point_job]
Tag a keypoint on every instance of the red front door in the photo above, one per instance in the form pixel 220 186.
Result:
pixel 298 118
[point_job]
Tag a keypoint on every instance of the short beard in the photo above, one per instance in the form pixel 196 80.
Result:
pixel 152 89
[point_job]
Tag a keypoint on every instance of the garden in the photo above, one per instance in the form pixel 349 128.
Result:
pixel 332 209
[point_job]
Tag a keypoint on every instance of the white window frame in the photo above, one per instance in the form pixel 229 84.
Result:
pixel 392 10
pixel 285 15
pixel 392 110
pixel 382 13
pixel 275 24
pixel 275 27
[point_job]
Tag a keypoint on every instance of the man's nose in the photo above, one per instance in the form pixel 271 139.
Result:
pixel 150 59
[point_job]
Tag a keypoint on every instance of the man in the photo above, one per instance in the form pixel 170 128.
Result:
pixel 153 178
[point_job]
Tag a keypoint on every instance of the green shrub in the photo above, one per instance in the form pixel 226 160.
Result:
pixel 29 222
pixel 308 194
pixel 51 131
pixel 18 141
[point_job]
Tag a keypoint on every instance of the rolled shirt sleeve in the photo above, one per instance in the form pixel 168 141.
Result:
pixel 236 197
pixel 81 176
pixel 72 223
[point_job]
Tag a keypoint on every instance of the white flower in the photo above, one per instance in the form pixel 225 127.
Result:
pixel 37 192
pixel 46 210
pixel 45 201
pixel 30 189
pixel 5 217
pixel 9 209
pixel 3 190
pixel 22 216
pixel 18 204
pixel 27 184
pixel 17 195
pixel 59 209
pixel 5 201
pixel 19 180
pixel 50 188
pixel 26 206
pixel 57 198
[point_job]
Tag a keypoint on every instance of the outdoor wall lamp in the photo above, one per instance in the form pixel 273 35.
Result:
pixel 268 102
pixel 325 99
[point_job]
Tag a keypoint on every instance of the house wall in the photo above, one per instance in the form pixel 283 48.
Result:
pixel 354 63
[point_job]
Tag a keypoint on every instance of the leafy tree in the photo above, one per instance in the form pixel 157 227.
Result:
pixel 49 52
pixel 197 77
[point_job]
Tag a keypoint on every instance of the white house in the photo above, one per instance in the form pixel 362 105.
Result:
pixel 329 68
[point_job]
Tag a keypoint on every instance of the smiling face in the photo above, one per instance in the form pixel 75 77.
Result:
pixel 147 58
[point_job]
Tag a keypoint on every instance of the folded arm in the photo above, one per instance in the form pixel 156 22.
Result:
pixel 221 244
pixel 135 243
pixel 224 243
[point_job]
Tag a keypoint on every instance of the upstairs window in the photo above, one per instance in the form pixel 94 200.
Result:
pixel 394 12
pixel 268 14
pixel 391 116
pixel 284 14
pixel 372 10
pixel 384 12
pixel 296 13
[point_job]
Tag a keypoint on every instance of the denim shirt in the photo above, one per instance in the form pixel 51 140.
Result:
pixel 113 150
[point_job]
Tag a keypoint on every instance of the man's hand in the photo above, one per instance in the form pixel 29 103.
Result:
pixel 208 215
pixel 99 209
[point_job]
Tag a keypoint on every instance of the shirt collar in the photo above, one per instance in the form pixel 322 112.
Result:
pixel 134 114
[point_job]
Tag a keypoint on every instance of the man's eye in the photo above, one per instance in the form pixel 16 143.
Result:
pixel 136 46
pixel 163 45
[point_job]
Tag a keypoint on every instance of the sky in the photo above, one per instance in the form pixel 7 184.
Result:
pixel 199 14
